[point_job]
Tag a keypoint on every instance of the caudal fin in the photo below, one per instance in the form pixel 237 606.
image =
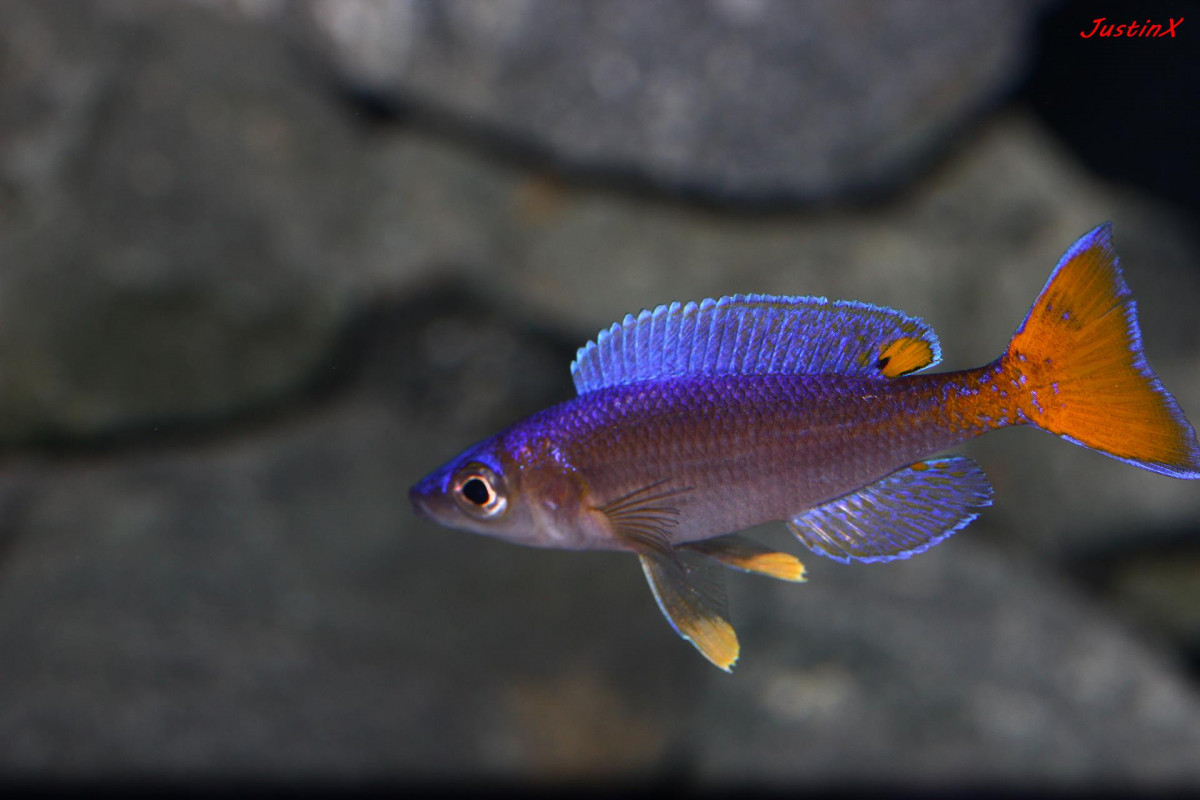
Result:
pixel 1079 357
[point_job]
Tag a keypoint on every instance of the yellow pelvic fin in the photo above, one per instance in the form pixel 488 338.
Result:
pixel 748 555
pixel 693 601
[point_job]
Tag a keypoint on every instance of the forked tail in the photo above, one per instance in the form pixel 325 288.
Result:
pixel 1078 356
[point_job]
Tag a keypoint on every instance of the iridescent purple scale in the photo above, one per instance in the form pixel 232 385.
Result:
pixel 750 448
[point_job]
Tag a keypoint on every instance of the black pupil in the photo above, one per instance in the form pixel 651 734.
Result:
pixel 476 491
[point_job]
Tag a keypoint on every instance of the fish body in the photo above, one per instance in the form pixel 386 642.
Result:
pixel 748 449
pixel 694 421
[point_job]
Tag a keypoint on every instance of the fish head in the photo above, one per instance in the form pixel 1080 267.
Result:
pixel 489 491
pixel 470 492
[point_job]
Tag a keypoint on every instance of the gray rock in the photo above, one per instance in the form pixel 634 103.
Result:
pixel 962 666
pixel 270 608
pixel 177 204
pixel 1155 587
pixel 754 99
pixel 185 229
pixel 267 607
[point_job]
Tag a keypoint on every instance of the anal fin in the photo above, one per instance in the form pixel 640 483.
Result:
pixel 748 555
pixel 898 516
pixel 692 598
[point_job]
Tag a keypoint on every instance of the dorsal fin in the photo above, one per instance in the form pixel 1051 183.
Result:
pixel 756 334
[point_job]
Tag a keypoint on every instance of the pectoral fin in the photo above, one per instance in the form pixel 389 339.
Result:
pixel 645 517
pixel 750 556
pixel 692 598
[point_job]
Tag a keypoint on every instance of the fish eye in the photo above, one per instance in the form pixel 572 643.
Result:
pixel 476 492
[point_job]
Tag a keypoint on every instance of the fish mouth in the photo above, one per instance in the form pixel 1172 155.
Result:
pixel 420 501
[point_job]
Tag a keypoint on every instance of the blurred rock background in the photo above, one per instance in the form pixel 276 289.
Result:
pixel 263 264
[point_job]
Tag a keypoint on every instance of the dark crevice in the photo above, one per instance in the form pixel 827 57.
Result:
pixel 1167 562
pixel 1127 108
pixel 377 351
pixel 383 114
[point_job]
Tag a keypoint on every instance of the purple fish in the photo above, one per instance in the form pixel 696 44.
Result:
pixel 694 421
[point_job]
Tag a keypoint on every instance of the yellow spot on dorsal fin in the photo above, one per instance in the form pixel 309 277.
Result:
pixel 904 355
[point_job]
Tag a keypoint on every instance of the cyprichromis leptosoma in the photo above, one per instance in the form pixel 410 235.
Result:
pixel 696 420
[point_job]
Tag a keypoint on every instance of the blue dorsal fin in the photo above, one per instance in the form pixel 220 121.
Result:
pixel 900 515
pixel 756 334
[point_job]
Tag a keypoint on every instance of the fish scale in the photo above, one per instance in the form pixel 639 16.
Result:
pixel 720 436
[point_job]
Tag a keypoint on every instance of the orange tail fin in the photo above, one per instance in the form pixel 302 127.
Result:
pixel 1078 355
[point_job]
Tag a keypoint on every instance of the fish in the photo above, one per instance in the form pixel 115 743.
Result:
pixel 694 421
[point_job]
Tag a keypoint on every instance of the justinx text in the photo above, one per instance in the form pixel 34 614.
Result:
pixel 1132 29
